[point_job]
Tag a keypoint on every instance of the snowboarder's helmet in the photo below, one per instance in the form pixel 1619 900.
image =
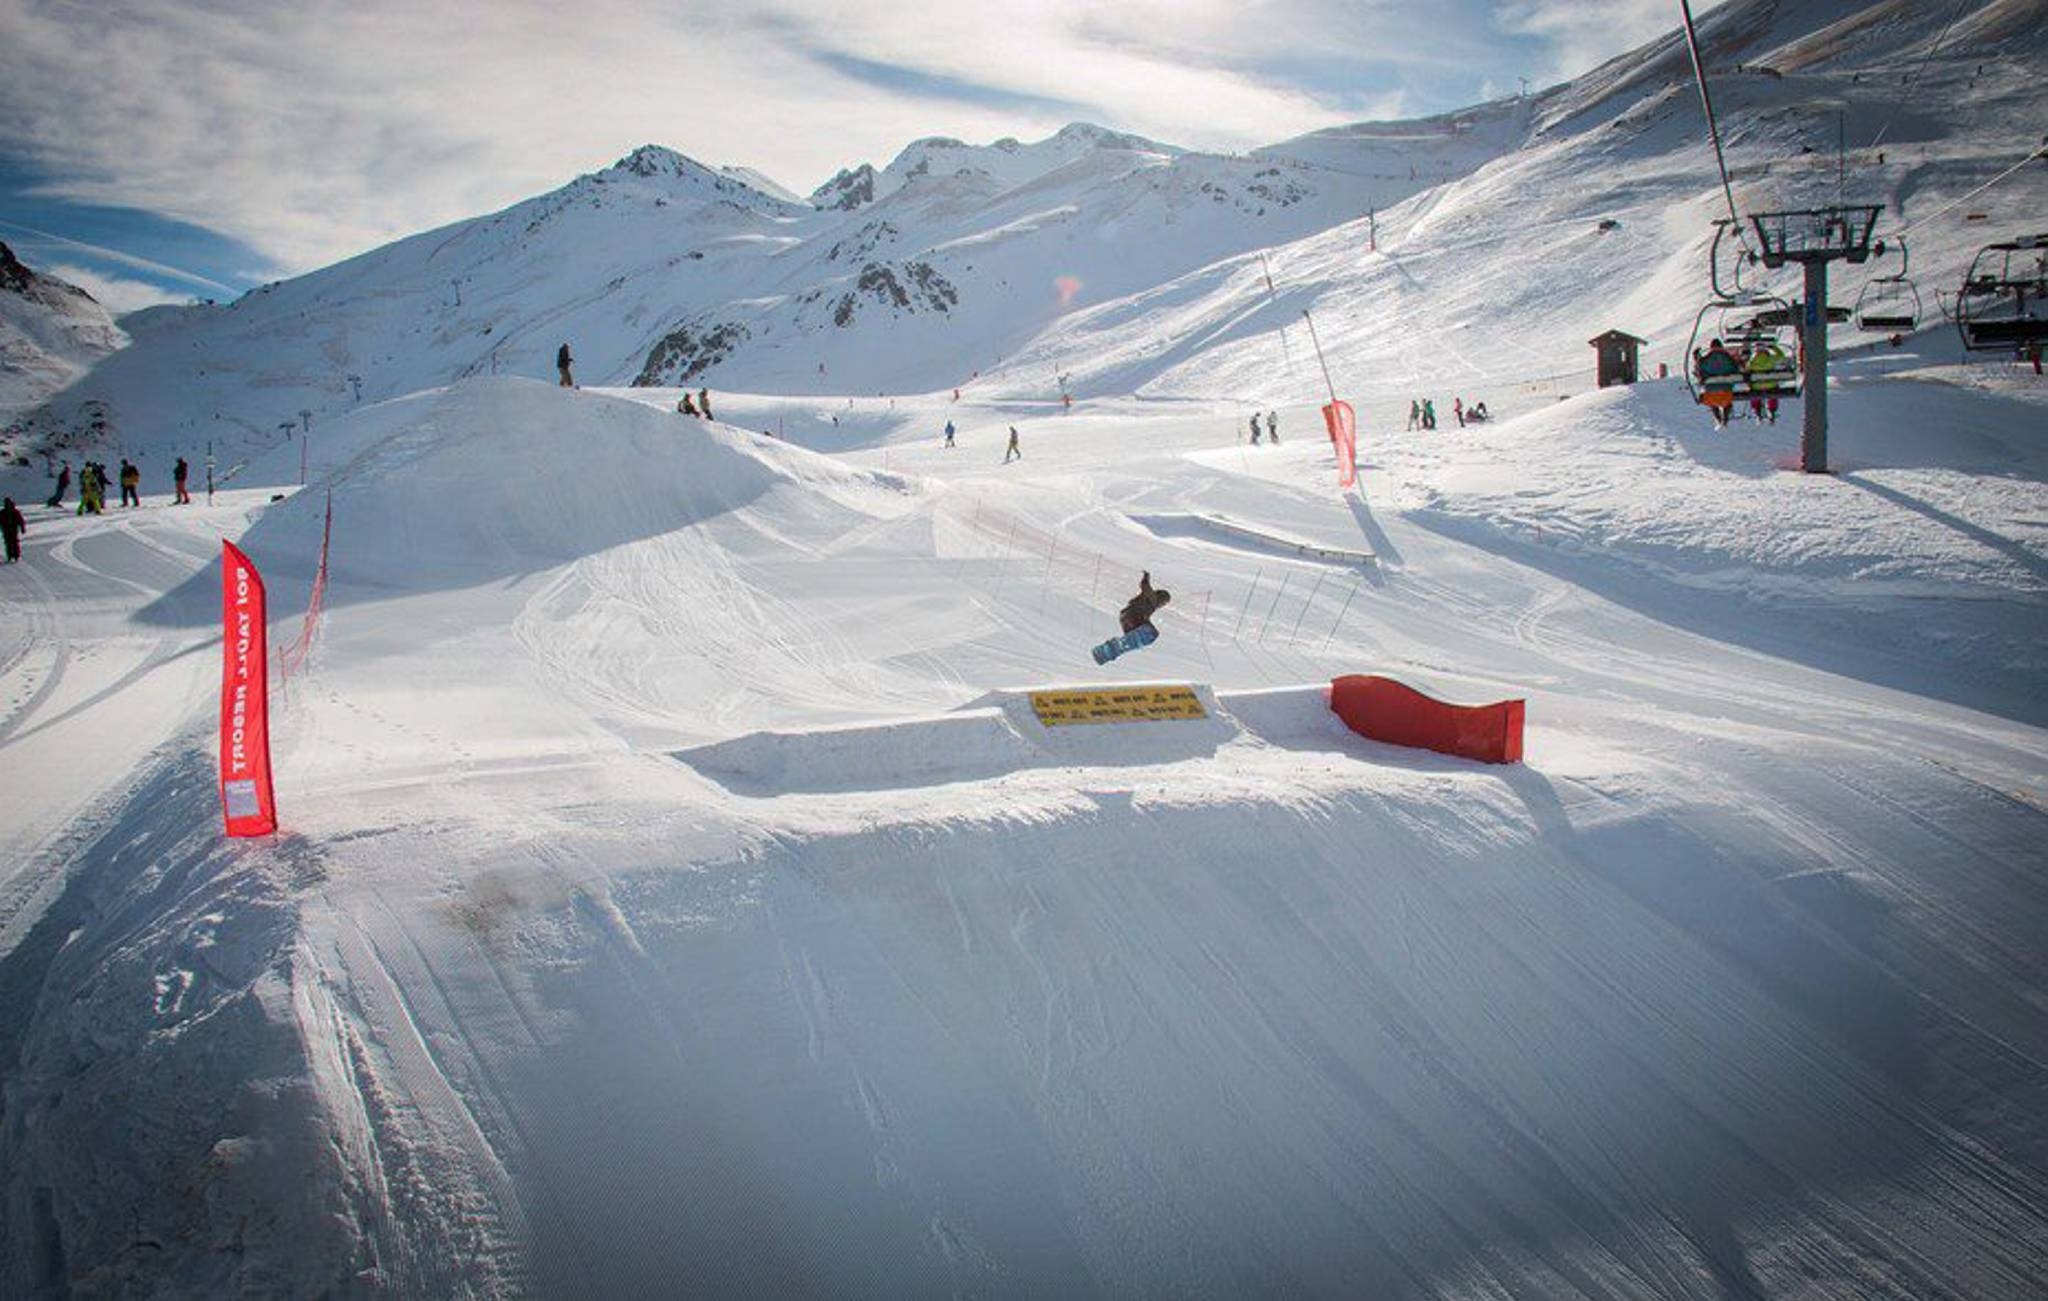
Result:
pixel 1163 595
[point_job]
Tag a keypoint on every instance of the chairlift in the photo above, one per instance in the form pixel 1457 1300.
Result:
pixel 2002 305
pixel 1889 304
pixel 1746 327
pixel 1747 321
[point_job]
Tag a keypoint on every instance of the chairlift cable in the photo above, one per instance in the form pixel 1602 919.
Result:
pixel 2037 152
pixel 1699 71
pixel 1921 71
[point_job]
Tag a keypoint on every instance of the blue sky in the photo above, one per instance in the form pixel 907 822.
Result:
pixel 164 150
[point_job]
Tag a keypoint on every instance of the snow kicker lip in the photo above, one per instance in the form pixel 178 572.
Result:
pixel 1220 531
pixel 988 738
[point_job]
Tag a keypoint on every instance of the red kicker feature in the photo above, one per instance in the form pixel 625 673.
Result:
pixel 1390 711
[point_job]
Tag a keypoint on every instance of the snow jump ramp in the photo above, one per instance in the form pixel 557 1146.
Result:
pixel 1127 725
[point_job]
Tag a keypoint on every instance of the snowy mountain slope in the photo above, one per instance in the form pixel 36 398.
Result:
pixel 1491 284
pixel 663 270
pixel 600 959
pixel 50 333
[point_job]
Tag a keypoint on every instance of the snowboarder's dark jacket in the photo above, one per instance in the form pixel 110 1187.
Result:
pixel 12 521
pixel 1140 608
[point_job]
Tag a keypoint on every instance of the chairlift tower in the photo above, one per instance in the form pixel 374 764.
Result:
pixel 1814 237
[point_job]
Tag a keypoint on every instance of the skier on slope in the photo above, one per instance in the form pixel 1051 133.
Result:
pixel 12 526
pixel 63 483
pixel 1255 429
pixel 1013 450
pixel 131 483
pixel 949 433
pixel 178 474
pixel 1429 413
pixel 1138 611
pixel 1273 427
pixel 1414 414
pixel 563 361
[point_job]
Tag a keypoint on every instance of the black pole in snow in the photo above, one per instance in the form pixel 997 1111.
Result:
pixel 1327 382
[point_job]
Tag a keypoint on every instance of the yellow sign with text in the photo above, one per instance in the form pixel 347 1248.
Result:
pixel 1116 705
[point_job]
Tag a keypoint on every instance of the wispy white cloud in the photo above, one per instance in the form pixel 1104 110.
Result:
pixel 1578 34
pixel 49 239
pixel 115 293
pixel 312 131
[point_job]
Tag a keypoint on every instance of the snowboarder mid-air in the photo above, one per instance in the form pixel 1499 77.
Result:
pixel 1136 621
pixel 1138 611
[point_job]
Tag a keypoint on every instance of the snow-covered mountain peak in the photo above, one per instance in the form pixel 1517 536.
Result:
pixel 50 332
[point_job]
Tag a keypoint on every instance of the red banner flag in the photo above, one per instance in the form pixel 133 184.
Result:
pixel 1343 427
pixel 245 795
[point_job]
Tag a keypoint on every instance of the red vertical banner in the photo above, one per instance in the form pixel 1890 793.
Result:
pixel 245 794
pixel 1343 426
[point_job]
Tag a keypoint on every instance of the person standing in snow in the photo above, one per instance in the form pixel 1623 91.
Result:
pixel 12 526
pixel 63 483
pixel 704 403
pixel 687 406
pixel 1255 429
pixel 1273 427
pixel 1429 413
pixel 563 361
pixel 1013 451
pixel 949 433
pixel 1138 611
pixel 1414 414
pixel 131 483
pixel 178 473
pixel 1458 411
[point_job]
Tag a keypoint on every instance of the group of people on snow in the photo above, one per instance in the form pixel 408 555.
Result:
pixel 700 407
pixel 1272 430
pixel 1721 370
pixel 93 478
pixel 1422 413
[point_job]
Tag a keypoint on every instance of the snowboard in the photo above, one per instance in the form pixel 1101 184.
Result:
pixel 1143 635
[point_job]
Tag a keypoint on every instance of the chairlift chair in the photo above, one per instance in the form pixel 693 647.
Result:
pixel 2002 305
pixel 1742 325
pixel 1889 304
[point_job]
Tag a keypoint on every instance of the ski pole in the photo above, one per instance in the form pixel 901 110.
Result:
pixel 1276 605
pixel 1293 638
pixel 1341 613
pixel 1246 607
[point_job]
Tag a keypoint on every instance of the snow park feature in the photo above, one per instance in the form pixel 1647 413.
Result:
pixel 1387 710
pixel 686 888
pixel 247 803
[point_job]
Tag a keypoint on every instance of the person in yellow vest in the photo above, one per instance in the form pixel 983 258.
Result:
pixel 1767 367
